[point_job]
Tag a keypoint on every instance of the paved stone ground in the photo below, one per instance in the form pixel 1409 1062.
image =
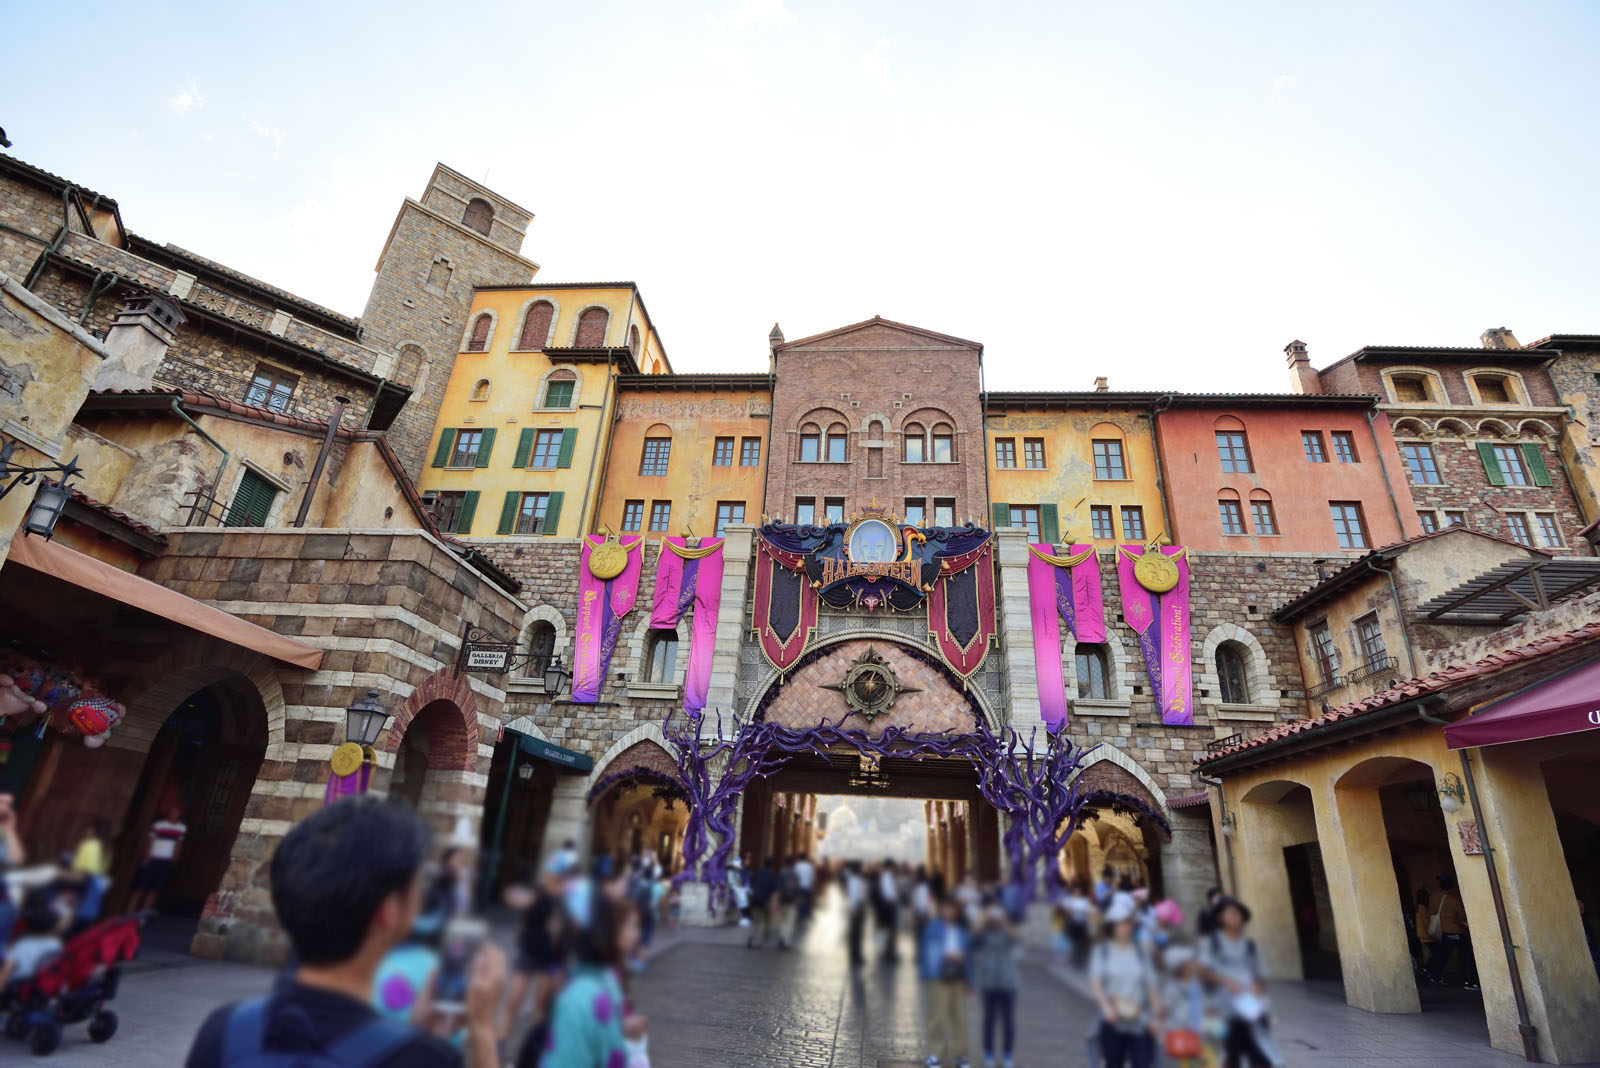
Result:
pixel 714 1004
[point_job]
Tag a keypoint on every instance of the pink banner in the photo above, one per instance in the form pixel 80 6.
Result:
pixel 601 605
pixel 1161 619
pixel 1069 586
pixel 690 576
pixel 340 786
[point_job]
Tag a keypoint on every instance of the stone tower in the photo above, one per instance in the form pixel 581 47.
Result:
pixel 460 235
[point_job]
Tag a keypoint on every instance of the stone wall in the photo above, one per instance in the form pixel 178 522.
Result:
pixel 387 609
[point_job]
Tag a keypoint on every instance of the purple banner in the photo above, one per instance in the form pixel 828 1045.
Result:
pixel 1160 616
pixel 1069 586
pixel 345 785
pixel 601 605
pixel 690 576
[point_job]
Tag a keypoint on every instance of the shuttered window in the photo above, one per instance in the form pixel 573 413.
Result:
pixel 252 502
pixel 530 513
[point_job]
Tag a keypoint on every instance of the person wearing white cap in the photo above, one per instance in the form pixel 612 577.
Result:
pixel 1124 983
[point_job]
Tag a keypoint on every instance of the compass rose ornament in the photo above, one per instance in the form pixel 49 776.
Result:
pixel 869 685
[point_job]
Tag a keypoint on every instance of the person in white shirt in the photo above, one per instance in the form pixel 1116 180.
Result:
pixel 805 876
pixel 160 860
pixel 889 911
pixel 855 896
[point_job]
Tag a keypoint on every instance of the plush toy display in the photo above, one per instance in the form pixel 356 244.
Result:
pixel 15 700
pixel 66 699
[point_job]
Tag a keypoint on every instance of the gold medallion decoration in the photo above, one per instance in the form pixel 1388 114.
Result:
pixel 608 559
pixel 1155 571
pixel 346 759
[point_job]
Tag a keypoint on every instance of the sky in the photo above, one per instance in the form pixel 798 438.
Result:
pixel 1165 193
pixel 874 828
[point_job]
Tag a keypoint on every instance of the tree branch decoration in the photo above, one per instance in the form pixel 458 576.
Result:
pixel 1029 787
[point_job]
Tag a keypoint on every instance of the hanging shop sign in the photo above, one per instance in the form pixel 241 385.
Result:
pixel 1154 582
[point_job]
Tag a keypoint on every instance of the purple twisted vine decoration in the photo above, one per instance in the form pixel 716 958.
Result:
pixel 1030 788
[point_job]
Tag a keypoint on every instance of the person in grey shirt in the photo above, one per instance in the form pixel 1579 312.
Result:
pixel 1230 960
pixel 1125 987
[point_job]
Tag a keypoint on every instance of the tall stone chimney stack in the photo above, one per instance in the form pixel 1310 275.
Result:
pixel 139 337
pixel 774 339
pixel 1303 378
pixel 1101 385
pixel 1499 337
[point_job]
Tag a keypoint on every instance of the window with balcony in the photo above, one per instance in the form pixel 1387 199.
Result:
pixel 1324 654
pixel 1369 639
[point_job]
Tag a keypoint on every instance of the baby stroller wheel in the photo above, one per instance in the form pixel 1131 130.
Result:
pixel 44 1039
pixel 17 1025
pixel 103 1026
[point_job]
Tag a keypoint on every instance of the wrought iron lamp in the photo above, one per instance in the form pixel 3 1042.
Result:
pixel 1451 793
pixel 50 500
pixel 555 675
pixel 364 720
pixel 1230 824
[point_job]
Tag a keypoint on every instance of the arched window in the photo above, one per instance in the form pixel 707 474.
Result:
pixel 1093 669
pixel 1233 447
pixel 536 326
pixel 943 444
pixel 836 443
pixel 633 340
pixel 1231 674
pixel 479 341
pixel 480 391
pixel 541 647
pixel 916 443
pixel 479 216
pixel 559 388
pixel 409 364
pixel 660 655
pixel 439 275
pixel 592 328
pixel 810 443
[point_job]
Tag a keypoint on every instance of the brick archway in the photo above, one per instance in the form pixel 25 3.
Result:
pixel 453 737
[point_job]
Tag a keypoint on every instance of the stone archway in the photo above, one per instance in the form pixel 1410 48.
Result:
pixel 458 735
pixel 632 804
pixel 429 756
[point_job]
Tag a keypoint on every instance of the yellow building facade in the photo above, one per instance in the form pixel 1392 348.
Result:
pixel 687 455
pixel 1074 467
pixel 521 434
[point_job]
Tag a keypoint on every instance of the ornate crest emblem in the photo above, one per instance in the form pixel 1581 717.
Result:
pixel 869 685
pixel 608 559
pixel 1155 571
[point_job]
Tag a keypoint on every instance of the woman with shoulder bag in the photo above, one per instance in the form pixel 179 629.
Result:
pixel 1123 982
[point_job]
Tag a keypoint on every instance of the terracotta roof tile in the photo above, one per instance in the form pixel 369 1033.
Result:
pixel 1436 682
pixel 121 517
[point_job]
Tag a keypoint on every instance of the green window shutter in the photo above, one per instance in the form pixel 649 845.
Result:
pixel 508 512
pixel 1001 515
pixel 447 442
pixel 252 503
pixel 1491 466
pixel 485 447
pixel 524 447
pixel 1049 524
pixel 569 441
pixel 469 508
pixel 1536 467
pixel 552 512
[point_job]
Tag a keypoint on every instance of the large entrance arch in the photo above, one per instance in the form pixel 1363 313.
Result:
pixel 434 745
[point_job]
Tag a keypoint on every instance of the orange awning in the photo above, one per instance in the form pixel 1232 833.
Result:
pixel 69 565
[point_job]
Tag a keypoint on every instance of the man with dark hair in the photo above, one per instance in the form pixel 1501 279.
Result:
pixel 347 886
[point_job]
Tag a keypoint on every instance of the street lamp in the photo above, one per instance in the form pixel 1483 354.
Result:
pixel 364 721
pixel 1230 824
pixel 49 501
pixel 525 771
pixel 555 676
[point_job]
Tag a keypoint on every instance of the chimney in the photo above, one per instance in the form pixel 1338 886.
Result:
pixel 774 339
pixel 138 338
pixel 1303 378
pixel 1499 337
pixel 1100 385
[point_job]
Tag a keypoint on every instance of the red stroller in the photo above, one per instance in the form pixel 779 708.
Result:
pixel 74 986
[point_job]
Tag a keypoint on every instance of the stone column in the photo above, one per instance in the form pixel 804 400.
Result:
pixel 1015 623
pixel 1188 865
pixel 1374 953
pixel 1558 978
pixel 1265 828
pixel 569 816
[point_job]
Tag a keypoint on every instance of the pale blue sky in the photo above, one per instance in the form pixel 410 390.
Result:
pixel 1164 193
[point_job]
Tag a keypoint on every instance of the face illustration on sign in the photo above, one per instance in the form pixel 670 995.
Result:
pixel 872 542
